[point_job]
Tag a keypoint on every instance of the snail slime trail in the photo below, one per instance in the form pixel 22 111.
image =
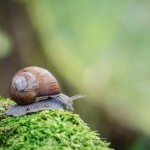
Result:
pixel 36 89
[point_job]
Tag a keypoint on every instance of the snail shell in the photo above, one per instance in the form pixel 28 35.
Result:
pixel 32 82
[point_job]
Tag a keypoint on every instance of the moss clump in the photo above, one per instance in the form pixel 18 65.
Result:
pixel 3 104
pixel 55 129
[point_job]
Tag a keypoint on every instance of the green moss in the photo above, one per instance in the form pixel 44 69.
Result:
pixel 55 129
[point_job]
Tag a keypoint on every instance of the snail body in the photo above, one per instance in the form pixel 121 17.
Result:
pixel 46 104
pixel 35 89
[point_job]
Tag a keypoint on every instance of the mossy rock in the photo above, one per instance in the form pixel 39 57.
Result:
pixel 46 130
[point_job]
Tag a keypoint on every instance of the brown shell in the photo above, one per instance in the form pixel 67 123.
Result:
pixel 32 82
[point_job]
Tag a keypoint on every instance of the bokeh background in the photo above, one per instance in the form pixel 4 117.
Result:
pixel 94 47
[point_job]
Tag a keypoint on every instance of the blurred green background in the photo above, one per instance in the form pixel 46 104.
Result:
pixel 94 47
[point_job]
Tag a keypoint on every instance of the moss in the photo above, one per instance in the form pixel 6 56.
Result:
pixel 54 129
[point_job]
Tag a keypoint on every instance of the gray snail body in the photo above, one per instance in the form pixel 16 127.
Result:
pixel 35 89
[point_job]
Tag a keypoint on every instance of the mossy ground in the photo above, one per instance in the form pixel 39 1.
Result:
pixel 46 130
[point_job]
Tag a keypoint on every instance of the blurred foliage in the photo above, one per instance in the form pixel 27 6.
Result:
pixel 104 49
pixel 96 47
pixel 5 44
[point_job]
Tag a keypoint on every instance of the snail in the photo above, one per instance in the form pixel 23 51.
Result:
pixel 36 89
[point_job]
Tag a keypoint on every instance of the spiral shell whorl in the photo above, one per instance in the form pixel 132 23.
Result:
pixel 24 88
